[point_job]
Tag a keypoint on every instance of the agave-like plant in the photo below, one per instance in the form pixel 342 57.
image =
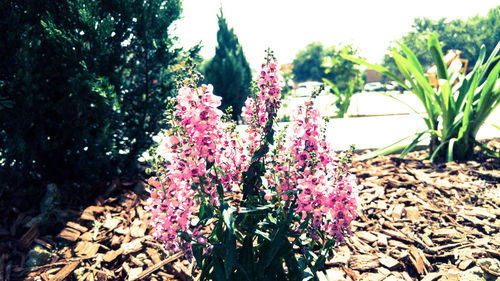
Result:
pixel 456 109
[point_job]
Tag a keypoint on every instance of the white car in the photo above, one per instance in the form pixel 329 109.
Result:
pixel 305 89
pixel 373 87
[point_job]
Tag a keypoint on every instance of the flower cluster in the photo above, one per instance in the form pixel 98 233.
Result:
pixel 322 192
pixel 260 109
pixel 202 152
pixel 197 140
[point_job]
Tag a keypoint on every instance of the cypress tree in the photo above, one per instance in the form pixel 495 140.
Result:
pixel 228 71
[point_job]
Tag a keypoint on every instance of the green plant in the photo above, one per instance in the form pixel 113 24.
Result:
pixel 250 207
pixel 342 75
pixel 343 97
pixel 454 111
pixel 83 86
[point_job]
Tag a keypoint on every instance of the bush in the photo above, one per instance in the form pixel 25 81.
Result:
pixel 86 85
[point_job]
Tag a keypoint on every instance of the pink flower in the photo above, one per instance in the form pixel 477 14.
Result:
pixel 300 168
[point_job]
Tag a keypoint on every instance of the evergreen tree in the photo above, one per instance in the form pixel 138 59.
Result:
pixel 228 71
pixel 85 83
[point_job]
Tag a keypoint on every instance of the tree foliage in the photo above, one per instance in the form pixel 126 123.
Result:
pixel 87 84
pixel 464 35
pixel 307 64
pixel 344 76
pixel 341 71
pixel 228 71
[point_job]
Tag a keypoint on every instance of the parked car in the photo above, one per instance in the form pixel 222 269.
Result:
pixel 393 86
pixel 305 89
pixel 373 87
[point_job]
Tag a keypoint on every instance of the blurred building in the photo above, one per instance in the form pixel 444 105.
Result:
pixel 373 76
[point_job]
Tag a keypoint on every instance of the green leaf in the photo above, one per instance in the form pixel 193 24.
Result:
pixel 262 234
pixel 246 210
pixel 293 267
pixel 411 57
pixel 437 56
pixel 205 270
pixel 390 148
pixel 403 102
pixel 487 149
pixel 438 148
pixel 220 171
pixel 449 156
pixel 412 145
pixel 219 269
pixel 488 100
pixel 247 256
pixel 242 272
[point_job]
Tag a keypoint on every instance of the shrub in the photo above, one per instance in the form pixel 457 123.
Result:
pixel 250 208
pixel 86 85
pixel 457 108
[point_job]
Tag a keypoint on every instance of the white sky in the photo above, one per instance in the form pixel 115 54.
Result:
pixel 287 26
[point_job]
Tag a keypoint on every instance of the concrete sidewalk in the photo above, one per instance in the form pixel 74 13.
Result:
pixel 390 121
pixel 381 131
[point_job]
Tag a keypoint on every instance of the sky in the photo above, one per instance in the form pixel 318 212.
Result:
pixel 287 26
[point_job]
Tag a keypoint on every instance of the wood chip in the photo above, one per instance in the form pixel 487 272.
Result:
pixel 155 256
pixel 87 236
pixel 465 264
pixel 85 248
pixel 432 276
pixel 382 239
pixel 397 212
pixel 134 273
pixel 69 234
pixel 157 266
pixel 77 226
pixel 27 239
pixel 388 262
pixel 112 255
pixel 111 223
pixel 412 213
pixel 90 212
pixel 138 228
pixel 417 260
pixel 65 271
pixel 364 262
pixel 366 236
pixel 396 234
pixel 132 247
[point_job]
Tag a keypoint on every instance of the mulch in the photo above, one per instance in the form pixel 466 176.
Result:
pixel 418 221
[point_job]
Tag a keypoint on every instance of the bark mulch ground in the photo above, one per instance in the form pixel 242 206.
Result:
pixel 419 221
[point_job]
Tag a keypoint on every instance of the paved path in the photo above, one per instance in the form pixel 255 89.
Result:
pixel 390 121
